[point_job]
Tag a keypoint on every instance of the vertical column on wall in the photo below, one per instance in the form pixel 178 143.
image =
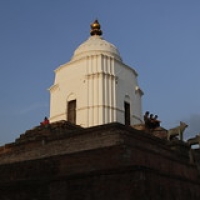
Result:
pixel 111 79
pixel 96 92
pixel 109 90
pixel 100 89
pixel 95 88
pixel 106 90
pixel 91 106
pixel 88 92
pixel 138 100
pixel 103 89
pixel 114 82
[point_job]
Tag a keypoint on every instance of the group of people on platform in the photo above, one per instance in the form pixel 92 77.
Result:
pixel 151 121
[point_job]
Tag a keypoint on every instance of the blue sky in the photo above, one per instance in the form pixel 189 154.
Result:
pixel 160 39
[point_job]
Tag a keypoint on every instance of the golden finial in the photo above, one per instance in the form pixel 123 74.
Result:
pixel 95 28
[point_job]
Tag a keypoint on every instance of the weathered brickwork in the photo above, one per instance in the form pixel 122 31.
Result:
pixel 107 162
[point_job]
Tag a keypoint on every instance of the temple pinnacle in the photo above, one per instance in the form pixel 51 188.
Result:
pixel 95 28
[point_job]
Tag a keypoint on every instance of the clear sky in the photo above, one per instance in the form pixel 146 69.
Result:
pixel 160 39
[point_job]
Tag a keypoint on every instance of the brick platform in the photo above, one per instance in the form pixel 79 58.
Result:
pixel 107 162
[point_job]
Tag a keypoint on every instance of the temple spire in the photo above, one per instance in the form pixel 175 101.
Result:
pixel 95 28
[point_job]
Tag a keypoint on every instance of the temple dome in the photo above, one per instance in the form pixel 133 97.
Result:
pixel 96 45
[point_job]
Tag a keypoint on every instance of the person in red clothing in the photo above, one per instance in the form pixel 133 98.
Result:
pixel 45 122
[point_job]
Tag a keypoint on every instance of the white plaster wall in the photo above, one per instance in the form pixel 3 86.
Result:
pixel 69 80
pixel 99 83
pixel 126 85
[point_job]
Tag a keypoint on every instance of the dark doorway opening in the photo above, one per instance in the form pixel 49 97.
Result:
pixel 71 111
pixel 127 113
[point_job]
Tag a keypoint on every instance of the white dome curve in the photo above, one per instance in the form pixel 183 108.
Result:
pixel 96 45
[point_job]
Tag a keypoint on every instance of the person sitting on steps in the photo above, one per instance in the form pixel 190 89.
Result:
pixel 45 122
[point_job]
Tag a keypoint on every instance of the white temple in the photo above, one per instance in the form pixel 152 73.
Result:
pixel 95 87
